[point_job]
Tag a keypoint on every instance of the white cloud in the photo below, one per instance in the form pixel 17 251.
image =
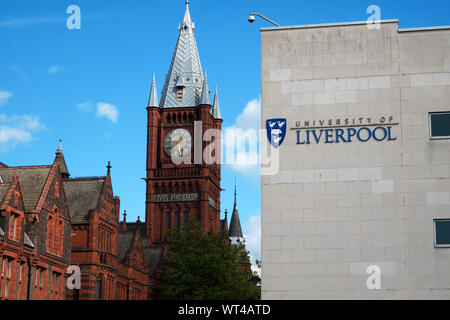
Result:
pixel 246 156
pixel 4 97
pixel 253 237
pixel 103 110
pixel 15 130
pixel 85 106
pixel 53 70
pixel 250 117
pixel 108 111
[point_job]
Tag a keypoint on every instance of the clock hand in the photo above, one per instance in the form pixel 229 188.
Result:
pixel 179 148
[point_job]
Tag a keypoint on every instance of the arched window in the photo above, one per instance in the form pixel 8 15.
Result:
pixel 98 288
pixel 50 232
pixel 14 226
pixel 177 220
pixel 61 237
pixel 168 220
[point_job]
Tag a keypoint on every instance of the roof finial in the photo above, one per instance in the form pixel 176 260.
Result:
pixel 187 1
pixel 109 167
pixel 60 144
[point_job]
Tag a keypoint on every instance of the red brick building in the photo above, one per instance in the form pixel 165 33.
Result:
pixel 49 220
pixel 34 233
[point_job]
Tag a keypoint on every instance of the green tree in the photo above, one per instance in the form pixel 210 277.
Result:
pixel 203 266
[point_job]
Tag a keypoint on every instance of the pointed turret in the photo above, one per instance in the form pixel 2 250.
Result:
pixel 62 162
pixel 153 100
pixel 183 84
pixel 216 106
pixel 205 92
pixel 235 230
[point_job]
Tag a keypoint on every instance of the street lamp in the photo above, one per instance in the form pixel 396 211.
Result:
pixel 251 18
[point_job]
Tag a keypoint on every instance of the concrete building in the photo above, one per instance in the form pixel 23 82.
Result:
pixel 361 197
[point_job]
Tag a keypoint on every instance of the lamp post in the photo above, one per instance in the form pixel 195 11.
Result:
pixel 251 18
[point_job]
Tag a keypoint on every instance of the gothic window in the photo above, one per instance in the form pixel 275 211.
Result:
pixel 6 278
pixel 98 288
pixel 61 237
pixel 55 233
pixel 22 278
pixel 14 226
pixel 177 220
pixel 168 222
pixel 185 221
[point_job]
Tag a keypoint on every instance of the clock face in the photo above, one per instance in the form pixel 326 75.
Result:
pixel 178 143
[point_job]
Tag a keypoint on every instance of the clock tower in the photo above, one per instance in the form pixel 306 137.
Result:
pixel 181 185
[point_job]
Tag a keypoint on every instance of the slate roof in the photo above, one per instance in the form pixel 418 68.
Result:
pixel 32 180
pixel 152 258
pixel 62 163
pixel 235 225
pixel 27 240
pixel 83 195
pixel 131 227
pixel 235 229
pixel 125 242
pixel 185 69
pixel 4 187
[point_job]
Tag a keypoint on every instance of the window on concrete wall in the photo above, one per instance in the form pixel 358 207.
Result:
pixel 442 233
pixel 439 125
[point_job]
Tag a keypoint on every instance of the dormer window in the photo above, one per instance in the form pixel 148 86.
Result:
pixel 14 226
pixel 180 91
pixel 180 88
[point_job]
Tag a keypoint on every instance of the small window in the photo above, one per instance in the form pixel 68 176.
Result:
pixel 442 233
pixel 177 220
pixel 440 125
pixel 180 91
pixel 168 222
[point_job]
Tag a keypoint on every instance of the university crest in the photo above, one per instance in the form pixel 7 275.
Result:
pixel 276 131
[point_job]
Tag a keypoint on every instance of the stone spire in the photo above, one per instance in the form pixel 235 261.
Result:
pixel 153 100
pixel 216 107
pixel 183 84
pixel 235 231
pixel 61 161
pixel 205 91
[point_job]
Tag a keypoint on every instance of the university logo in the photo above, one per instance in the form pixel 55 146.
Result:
pixel 276 131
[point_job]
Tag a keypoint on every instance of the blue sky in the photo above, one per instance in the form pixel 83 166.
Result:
pixel 54 81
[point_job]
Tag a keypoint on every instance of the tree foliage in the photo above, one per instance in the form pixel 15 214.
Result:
pixel 203 266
